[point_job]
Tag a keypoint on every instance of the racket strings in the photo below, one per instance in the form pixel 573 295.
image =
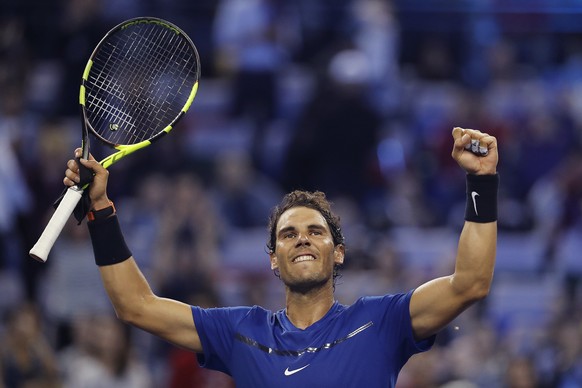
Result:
pixel 141 100
pixel 140 80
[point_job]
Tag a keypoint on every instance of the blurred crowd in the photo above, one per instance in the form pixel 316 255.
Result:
pixel 356 98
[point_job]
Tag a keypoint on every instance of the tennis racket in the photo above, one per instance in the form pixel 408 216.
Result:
pixel 139 81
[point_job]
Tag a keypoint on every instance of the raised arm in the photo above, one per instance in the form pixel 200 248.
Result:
pixel 437 302
pixel 129 292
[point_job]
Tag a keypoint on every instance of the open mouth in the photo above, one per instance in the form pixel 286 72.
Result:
pixel 302 258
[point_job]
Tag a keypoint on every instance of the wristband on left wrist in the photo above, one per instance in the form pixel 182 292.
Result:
pixel 481 205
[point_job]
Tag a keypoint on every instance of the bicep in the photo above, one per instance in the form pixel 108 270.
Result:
pixel 434 305
pixel 170 320
pixel 136 304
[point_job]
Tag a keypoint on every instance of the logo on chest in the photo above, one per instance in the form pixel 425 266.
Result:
pixel 296 353
pixel 293 371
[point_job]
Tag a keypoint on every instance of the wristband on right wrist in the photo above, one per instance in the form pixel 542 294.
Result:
pixel 95 215
pixel 481 204
pixel 109 246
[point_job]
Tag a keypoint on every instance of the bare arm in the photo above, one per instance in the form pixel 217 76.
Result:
pixel 129 292
pixel 136 304
pixel 437 302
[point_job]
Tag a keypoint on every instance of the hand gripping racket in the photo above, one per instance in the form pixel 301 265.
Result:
pixel 139 81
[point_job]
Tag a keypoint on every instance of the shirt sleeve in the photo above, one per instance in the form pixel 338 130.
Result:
pixel 393 317
pixel 216 327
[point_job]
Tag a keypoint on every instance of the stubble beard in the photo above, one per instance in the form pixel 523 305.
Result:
pixel 306 285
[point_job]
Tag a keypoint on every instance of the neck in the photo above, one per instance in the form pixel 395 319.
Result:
pixel 304 309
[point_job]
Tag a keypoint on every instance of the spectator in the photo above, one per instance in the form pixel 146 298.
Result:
pixel 104 357
pixel 26 357
pixel 244 196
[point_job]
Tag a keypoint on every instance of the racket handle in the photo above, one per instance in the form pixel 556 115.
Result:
pixel 43 246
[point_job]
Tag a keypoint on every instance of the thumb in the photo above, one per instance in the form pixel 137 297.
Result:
pixel 98 187
pixel 461 139
pixel 458 133
pixel 79 153
pixel 93 165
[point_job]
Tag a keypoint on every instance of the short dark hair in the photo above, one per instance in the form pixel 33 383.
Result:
pixel 314 200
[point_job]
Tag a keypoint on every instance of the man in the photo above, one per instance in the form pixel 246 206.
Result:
pixel 314 341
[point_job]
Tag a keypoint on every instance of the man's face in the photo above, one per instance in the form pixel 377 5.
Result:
pixel 304 251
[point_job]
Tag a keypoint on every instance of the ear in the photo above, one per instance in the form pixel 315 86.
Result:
pixel 274 262
pixel 339 253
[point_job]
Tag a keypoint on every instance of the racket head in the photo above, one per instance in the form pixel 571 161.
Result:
pixel 139 81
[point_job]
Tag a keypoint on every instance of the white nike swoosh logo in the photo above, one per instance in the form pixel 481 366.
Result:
pixel 292 372
pixel 473 195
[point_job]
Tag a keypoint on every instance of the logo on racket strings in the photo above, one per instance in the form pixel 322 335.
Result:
pixel 113 127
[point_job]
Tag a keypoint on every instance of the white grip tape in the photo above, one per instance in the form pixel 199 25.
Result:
pixel 43 246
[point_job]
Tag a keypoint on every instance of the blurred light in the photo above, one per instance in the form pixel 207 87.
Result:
pixel 390 156
pixel 350 67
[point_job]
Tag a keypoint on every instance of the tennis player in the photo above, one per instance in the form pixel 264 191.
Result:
pixel 314 341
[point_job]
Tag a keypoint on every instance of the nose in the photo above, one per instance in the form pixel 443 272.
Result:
pixel 302 239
